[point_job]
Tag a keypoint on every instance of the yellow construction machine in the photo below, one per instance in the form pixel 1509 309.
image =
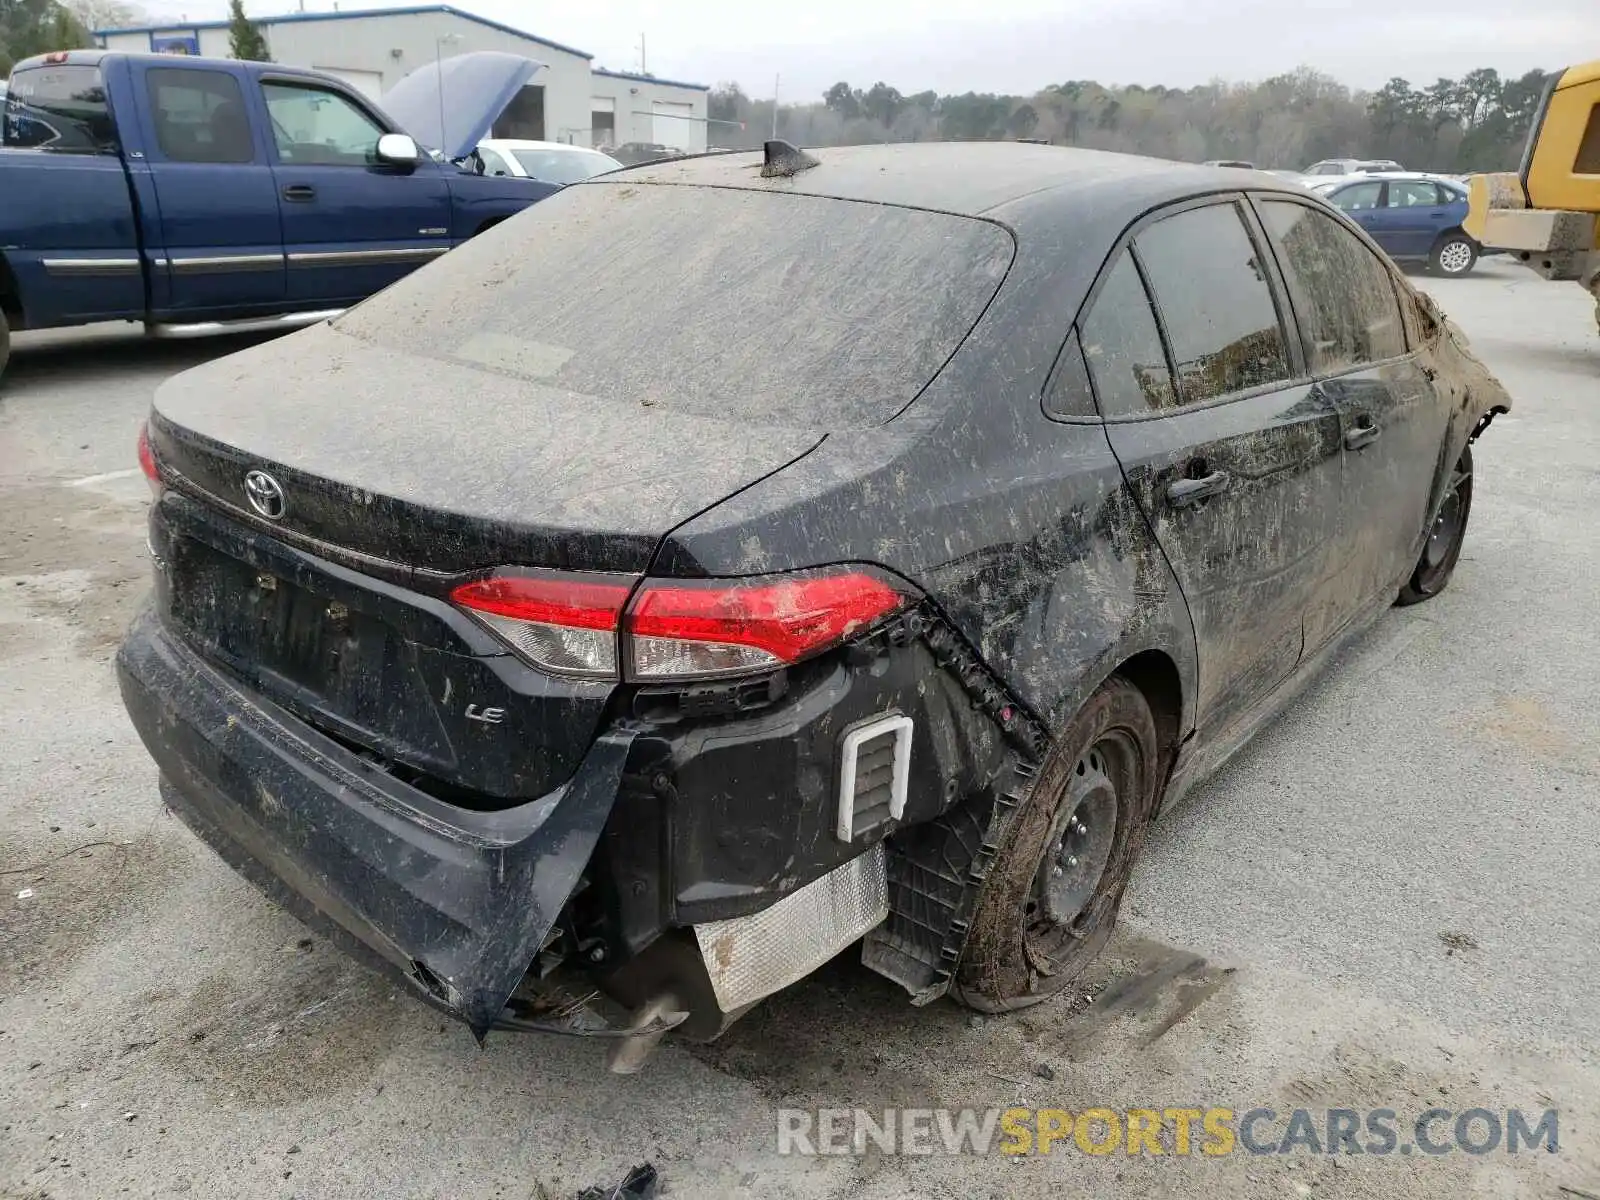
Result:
pixel 1547 214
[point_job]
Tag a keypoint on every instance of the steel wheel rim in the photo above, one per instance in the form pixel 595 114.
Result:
pixel 1082 842
pixel 1448 525
pixel 1455 258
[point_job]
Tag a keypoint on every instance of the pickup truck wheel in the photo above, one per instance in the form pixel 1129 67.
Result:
pixel 1453 254
pixel 1442 550
pixel 1053 893
pixel 5 342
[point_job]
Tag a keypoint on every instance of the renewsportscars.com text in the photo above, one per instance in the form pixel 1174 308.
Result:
pixel 1175 1131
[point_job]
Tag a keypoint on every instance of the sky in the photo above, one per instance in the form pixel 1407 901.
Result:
pixel 1018 46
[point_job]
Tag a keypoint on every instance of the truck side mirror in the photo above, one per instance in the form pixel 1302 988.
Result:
pixel 398 150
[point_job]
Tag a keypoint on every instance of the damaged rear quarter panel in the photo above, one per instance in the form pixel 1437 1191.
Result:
pixel 1474 396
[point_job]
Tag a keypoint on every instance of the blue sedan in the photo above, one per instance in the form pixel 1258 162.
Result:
pixel 1413 217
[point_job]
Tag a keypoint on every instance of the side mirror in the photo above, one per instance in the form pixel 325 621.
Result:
pixel 398 150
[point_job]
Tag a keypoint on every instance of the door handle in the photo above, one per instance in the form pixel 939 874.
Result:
pixel 1183 492
pixel 1361 435
pixel 300 192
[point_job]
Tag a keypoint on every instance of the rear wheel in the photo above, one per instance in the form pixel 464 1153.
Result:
pixel 1442 550
pixel 5 341
pixel 1453 254
pixel 1051 899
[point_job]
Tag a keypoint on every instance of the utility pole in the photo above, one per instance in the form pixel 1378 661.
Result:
pixel 644 67
pixel 776 80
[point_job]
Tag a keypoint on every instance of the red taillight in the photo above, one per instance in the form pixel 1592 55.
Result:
pixel 147 462
pixel 679 630
pixel 571 624
pixel 565 624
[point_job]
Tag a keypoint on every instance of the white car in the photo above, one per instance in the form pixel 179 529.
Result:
pixel 1352 166
pixel 549 162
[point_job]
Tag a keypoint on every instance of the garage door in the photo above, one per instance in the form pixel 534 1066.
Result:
pixel 368 83
pixel 670 128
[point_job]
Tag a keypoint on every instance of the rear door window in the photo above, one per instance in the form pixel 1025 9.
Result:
pixel 752 306
pixel 1412 193
pixel 1345 298
pixel 61 108
pixel 199 116
pixel 1122 345
pixel 1210 287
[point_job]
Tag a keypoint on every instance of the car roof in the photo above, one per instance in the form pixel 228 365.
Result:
pixel 1014 182
pixel 1399 176
pixel 531 144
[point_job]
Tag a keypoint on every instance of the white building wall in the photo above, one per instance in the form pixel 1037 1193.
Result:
pixel 373 53
pixel 391 47
pixel 635 99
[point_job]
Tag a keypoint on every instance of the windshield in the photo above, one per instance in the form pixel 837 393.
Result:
pixel 751 306
pixel 564 166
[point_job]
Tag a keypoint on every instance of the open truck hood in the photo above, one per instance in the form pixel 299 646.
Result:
pixel 452 104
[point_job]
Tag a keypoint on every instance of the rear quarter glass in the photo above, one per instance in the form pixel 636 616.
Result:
pixel 61 106
pixel 750 306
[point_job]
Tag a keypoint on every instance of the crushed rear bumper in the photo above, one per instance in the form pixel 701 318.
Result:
pixel 455 902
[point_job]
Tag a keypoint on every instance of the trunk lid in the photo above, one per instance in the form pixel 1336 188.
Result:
pixel 444 468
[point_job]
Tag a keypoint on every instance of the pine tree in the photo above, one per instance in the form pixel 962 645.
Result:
pixel 245 39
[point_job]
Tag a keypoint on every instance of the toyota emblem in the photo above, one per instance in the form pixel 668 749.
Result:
pixel 265 494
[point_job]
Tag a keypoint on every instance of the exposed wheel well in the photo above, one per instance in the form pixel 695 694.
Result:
pixel 1156 676
pixel 489 224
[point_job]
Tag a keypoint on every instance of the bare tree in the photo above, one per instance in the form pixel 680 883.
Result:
pixel 107 14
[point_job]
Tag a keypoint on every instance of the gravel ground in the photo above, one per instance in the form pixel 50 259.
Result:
pixel 1389 900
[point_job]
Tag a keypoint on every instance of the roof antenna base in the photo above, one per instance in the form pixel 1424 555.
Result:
pixel 783 160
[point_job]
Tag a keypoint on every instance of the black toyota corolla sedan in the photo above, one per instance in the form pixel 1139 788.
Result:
pixel 736 558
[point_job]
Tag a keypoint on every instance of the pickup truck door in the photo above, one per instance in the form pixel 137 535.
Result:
pixel 219 243
pixel 351 226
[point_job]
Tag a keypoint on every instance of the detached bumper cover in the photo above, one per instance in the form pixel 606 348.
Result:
pixel 456 902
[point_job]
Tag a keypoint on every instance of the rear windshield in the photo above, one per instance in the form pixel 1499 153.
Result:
pixel 752 306
pixel 59 108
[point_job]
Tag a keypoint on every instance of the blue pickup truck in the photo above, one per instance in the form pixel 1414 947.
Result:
pixel 196 195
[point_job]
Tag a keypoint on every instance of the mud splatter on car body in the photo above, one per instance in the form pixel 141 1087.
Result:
pixel 894 372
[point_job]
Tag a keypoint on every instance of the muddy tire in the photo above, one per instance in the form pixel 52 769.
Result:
pixel 1053 893
pixel 1442 550
pixel 1453 255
